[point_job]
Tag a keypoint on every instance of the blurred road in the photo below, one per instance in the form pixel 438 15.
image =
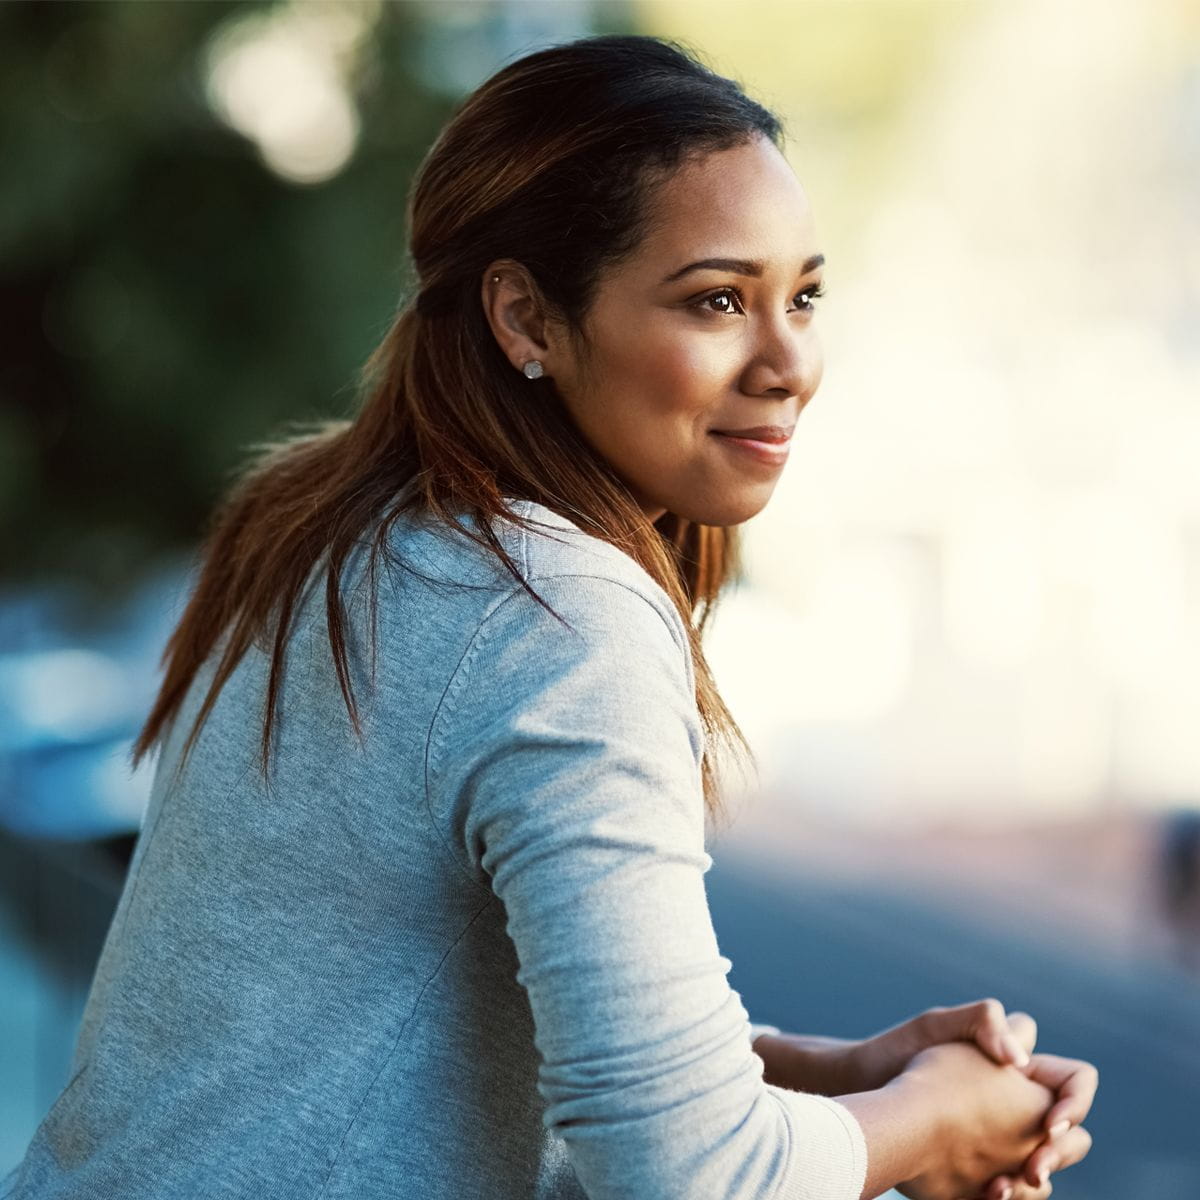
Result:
pixel 826 954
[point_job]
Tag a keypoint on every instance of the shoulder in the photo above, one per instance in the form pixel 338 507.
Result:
pixel 591 574
pixel 582 577
pixel 587 683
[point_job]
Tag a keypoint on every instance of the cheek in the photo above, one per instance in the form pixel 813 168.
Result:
pixel 657 386
pixel 817 358
pixel 672 380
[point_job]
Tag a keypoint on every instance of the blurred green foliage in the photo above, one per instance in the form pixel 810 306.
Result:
pixel 167 299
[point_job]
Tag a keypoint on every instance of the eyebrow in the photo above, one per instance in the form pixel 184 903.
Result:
pixel 739 266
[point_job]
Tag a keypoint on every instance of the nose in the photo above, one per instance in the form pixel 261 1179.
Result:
pixel 786 360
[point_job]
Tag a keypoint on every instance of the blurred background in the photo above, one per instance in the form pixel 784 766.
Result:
pixel 966 645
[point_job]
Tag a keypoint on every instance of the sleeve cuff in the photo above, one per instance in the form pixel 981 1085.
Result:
pixel 755 1030
pixel 827 1157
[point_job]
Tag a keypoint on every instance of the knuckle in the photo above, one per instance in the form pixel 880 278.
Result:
pixel 1083 1083
pixel 991 1009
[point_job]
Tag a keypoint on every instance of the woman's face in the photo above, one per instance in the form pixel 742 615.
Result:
pixel 680 348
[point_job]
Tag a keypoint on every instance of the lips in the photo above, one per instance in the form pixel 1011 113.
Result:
pixel 760 433
pixel 770 447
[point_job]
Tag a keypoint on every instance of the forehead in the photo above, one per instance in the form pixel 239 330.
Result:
pixel 744 202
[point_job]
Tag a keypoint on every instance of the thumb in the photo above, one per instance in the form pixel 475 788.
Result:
pixel 985 1023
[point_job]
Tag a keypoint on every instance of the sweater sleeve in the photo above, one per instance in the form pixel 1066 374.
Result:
pixel 569 764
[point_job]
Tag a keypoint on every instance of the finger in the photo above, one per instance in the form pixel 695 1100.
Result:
pixel 1056 1155
pixel 1023 1028
pixel 1022 1191
pixel 1074 1083
pixel 1074 1103
pixel 1001 1188
pixel 981 1021
pixel 986 1024
pixel 1015 1189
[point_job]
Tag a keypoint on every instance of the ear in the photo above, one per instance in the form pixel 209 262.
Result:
pixel 515 312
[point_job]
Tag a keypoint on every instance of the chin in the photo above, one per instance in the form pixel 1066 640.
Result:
pixel 723 510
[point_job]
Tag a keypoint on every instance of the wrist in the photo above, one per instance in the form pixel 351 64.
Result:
pixel 903 1128
pixel 923 1104
pixel 881 1058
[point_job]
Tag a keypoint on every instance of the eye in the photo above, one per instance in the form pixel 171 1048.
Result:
pixel 727 293
pixel 814 292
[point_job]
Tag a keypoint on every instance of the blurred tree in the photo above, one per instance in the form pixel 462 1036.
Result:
pixel 166 299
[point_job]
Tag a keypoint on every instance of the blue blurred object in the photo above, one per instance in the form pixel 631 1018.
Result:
pixel 1179 884
pixel 73 694
pixel 71 705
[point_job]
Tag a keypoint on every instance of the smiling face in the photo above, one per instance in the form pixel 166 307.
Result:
pixel 675 354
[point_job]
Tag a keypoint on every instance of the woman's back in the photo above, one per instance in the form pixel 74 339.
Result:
pixel 323 988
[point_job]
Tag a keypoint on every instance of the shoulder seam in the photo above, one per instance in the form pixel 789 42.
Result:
pixel 430 740
pixel 580 540
pixel 445 704
pixel 652 600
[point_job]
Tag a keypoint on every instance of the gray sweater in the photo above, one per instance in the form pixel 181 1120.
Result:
pixel 469 959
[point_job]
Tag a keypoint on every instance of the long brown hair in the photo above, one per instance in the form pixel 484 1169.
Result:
pixel 551 162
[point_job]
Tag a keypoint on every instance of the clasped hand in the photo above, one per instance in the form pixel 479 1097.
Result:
pixel 1026 1121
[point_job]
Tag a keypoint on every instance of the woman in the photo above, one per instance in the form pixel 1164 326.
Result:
pixel 418 907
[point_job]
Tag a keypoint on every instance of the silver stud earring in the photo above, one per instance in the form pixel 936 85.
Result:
pixel 532 369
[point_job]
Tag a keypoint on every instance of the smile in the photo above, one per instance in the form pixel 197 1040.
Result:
pixel 773 454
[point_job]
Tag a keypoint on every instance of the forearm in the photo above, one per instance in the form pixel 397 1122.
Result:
pixel 902 1129
pixel 899 1122
pixel 809 1063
